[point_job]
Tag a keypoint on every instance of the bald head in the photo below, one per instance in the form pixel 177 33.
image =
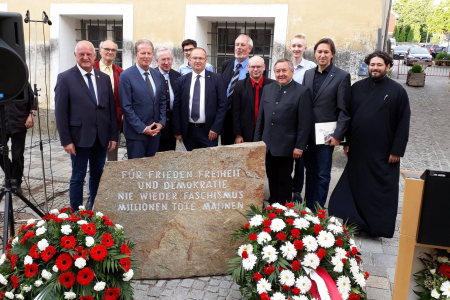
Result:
pixel 85 55
pixel 256 67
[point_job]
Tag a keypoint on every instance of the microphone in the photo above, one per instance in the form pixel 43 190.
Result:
pixel 47 20
pixel 27 17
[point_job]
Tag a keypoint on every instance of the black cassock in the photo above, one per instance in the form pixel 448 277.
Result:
pixel 367 192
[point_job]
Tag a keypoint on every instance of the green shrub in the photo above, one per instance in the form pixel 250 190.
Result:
pixel 416 69
pixel 443 56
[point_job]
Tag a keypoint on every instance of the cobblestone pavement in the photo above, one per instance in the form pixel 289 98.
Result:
pixel 428 148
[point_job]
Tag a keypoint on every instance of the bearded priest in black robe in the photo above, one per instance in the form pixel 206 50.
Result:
pixel 367 192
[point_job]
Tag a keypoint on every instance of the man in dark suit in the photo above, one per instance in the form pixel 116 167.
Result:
pixel 246 100
pixel 143 102
pixel 331 96
pixel 234 70
pixel 200 105
pixel 86 121
pixel 284 124
pixel 108 51
pixel 164 59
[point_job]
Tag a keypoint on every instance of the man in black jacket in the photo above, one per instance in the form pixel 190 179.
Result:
pixel 19 118
pixel 246 100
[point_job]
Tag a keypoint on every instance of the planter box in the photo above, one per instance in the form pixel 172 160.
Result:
pixel 415 79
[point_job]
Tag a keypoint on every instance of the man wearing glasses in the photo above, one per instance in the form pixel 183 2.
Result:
pixel 108 51
pixel 189 45
pixel 200 105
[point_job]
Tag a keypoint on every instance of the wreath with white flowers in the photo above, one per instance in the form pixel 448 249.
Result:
pixel 292 253
pixel 435 278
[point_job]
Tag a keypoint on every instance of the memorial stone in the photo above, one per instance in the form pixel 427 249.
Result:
pixel 180 208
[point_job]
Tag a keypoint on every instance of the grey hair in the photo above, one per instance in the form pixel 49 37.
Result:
pixel 142 41
pixel 101 43
pixel 161 50
pixel 250 41
pixel 291 65
pixel 76 46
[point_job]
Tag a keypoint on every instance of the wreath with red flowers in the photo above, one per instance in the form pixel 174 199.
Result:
pixel 68 255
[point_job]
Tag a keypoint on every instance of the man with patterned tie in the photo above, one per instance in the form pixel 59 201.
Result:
pixel 86 120
pixel 200 105
pixel 143 102
pixel 108 51
pixel 232 71
pixel 164 60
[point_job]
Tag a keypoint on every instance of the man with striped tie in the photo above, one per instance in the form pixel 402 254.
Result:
pixel 232 71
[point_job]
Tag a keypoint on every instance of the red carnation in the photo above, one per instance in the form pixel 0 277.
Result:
pixel 244 254
pixel 88 229
pixel 321 253
pixel 298 245
pixel 277 211
pixel 291 205
pixel 85 276
pixel 295 233
pixel 31 270
pixel 109 223
pixel 80 253
pixel 290 221
pixel 321 216
pixel 339 242
pixel 125 263
pixel 352 296
pixel 107 240
pixel 86 297
pixel 124 249
pixel 354 251
pixel 317 229
pixel 348 253
pixel 27 236
pixel 281 236
pixel 246 225
pixel 112 293
pixel 63 210
pixel 269 207
pixel 269 270
pixel 345 230
pixel 344 261
pixel 303 212
pixel 48 253
pixel 99 252
pixel 296 265
pixel 264 296
pixel 253 237
pixel 73 218
pixel 33 253
pixel 286 288
pixel 296 291
pixel 257 277
pixel 64 261
pixel 15 281
pixel 13 259
pixel 267 223
pixel 358 259
pixel 68 242
pixel 445 270
pixel 366 275
pixel 67 279
pixel 272 216
pixel 87 213
pixel 267 229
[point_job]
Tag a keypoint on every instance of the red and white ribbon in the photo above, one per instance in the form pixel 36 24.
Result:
pixel 323 286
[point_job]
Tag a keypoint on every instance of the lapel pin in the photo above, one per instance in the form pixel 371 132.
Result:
pixel 98 76
pixel 331 75
pixel 285 92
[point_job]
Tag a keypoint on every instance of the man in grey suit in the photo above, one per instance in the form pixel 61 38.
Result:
pixel 284 124
pixel 331 90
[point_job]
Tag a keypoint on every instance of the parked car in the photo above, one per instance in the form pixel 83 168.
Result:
pixel 438 49
pixel 400 52
pixel 418 54
pixel 431 47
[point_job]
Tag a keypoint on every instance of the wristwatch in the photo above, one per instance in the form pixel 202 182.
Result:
pixel 33 113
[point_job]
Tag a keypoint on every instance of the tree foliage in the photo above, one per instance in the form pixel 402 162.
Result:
pixel 413 13
pixel 416 34
pixel 439 18
pixel 402 37
pixel 396 33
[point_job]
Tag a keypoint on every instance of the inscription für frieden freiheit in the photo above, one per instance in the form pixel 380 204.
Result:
pixel 180 190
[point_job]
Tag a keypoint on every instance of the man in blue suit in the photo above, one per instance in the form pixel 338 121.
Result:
pixel 86 121
pixel 200 105
pixel 143 101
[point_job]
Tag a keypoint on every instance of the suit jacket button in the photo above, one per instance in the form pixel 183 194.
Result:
pixel 273 113
pixel 168 109
pixel 271 124
pixel 276 102
pixel 168 119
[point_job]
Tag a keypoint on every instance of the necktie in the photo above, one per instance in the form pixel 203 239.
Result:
pixel 149 84
pixel 195 110
pixel 91 86
pixel 234 80
pixel 168 94
pixel 256 101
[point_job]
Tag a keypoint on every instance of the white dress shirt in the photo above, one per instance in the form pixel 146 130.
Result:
pixel 94 81
pixel 202 118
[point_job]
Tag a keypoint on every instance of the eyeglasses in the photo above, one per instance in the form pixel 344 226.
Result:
pixel 188 50
pixel 197 58
pixel 110 50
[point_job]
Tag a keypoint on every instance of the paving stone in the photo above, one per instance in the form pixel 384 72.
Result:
pixel 375 270
pixel 160 283
pixel 210 296
pixel 235 294
pixel 384 260
pixel 223 292
pixel 225 284
pixel 143 287
pixel 390 242
pixel 391 274
pixel 166 293
pixel 213 289
pixel 187 282
pixel 180 293
pixel 172 284
pixel 195 294
pixel 198 285
pixel 390 250
pixel 378 282
pixel 370 245
pixel 139 294
pixel 377 294
pixel 155 291
pixel 214 281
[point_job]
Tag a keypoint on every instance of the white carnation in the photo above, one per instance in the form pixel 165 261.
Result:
pixel 82 222
pixel 310 243
pixel 352 242
pixel 360 279
pixel 304 284
pixel 301 297
pixel 65 229
pixel 325 239
pixel 313 219
pixel 340 252
pixel 14 241
pixel 81 207
pixel 38 283
pixel 445 289
pixel 249 263
pixel 278 296
pixel 42 244
pixel 288 250
pixel 3 280
pixel 40 231
pixel 128 275
pixel 63 216
pixel 30 221
pixel 9 295
pixel 301 223
pixel 118 226
pixel 54 211
pixel 335 229
pixel 291 213
pixel 26 288
pixel 89 241
pixel 80 263
pixel 263 286
pixel 311 260
pixel 99 286
pixel 46 274
pixel 19 296
pixel 433 271
pixel 277 225
pixel 270 252
pixel 279 206
pixel 308 210
pixel 99 214
pixel 443 259
pixel 40 223
pixel 343 284
pixel 263 237
pixel 338 265
pixel 435 294
pixel 69 295
pixel 248 248
pixel 28 260
pixel 287 278
pixel 55 269
pixel 256 220
pixel 2 259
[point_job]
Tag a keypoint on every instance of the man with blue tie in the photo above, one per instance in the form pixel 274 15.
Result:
pixel 200 105
pixel 86 120
pixel 143 102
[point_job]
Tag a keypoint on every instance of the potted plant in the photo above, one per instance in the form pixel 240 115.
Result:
pixel 416 76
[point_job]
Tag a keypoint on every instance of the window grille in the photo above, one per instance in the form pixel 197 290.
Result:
pixel 223 35
pixel 98 30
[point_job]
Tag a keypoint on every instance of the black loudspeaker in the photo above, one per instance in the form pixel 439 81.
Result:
pixel 435 214
pixel 13 67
